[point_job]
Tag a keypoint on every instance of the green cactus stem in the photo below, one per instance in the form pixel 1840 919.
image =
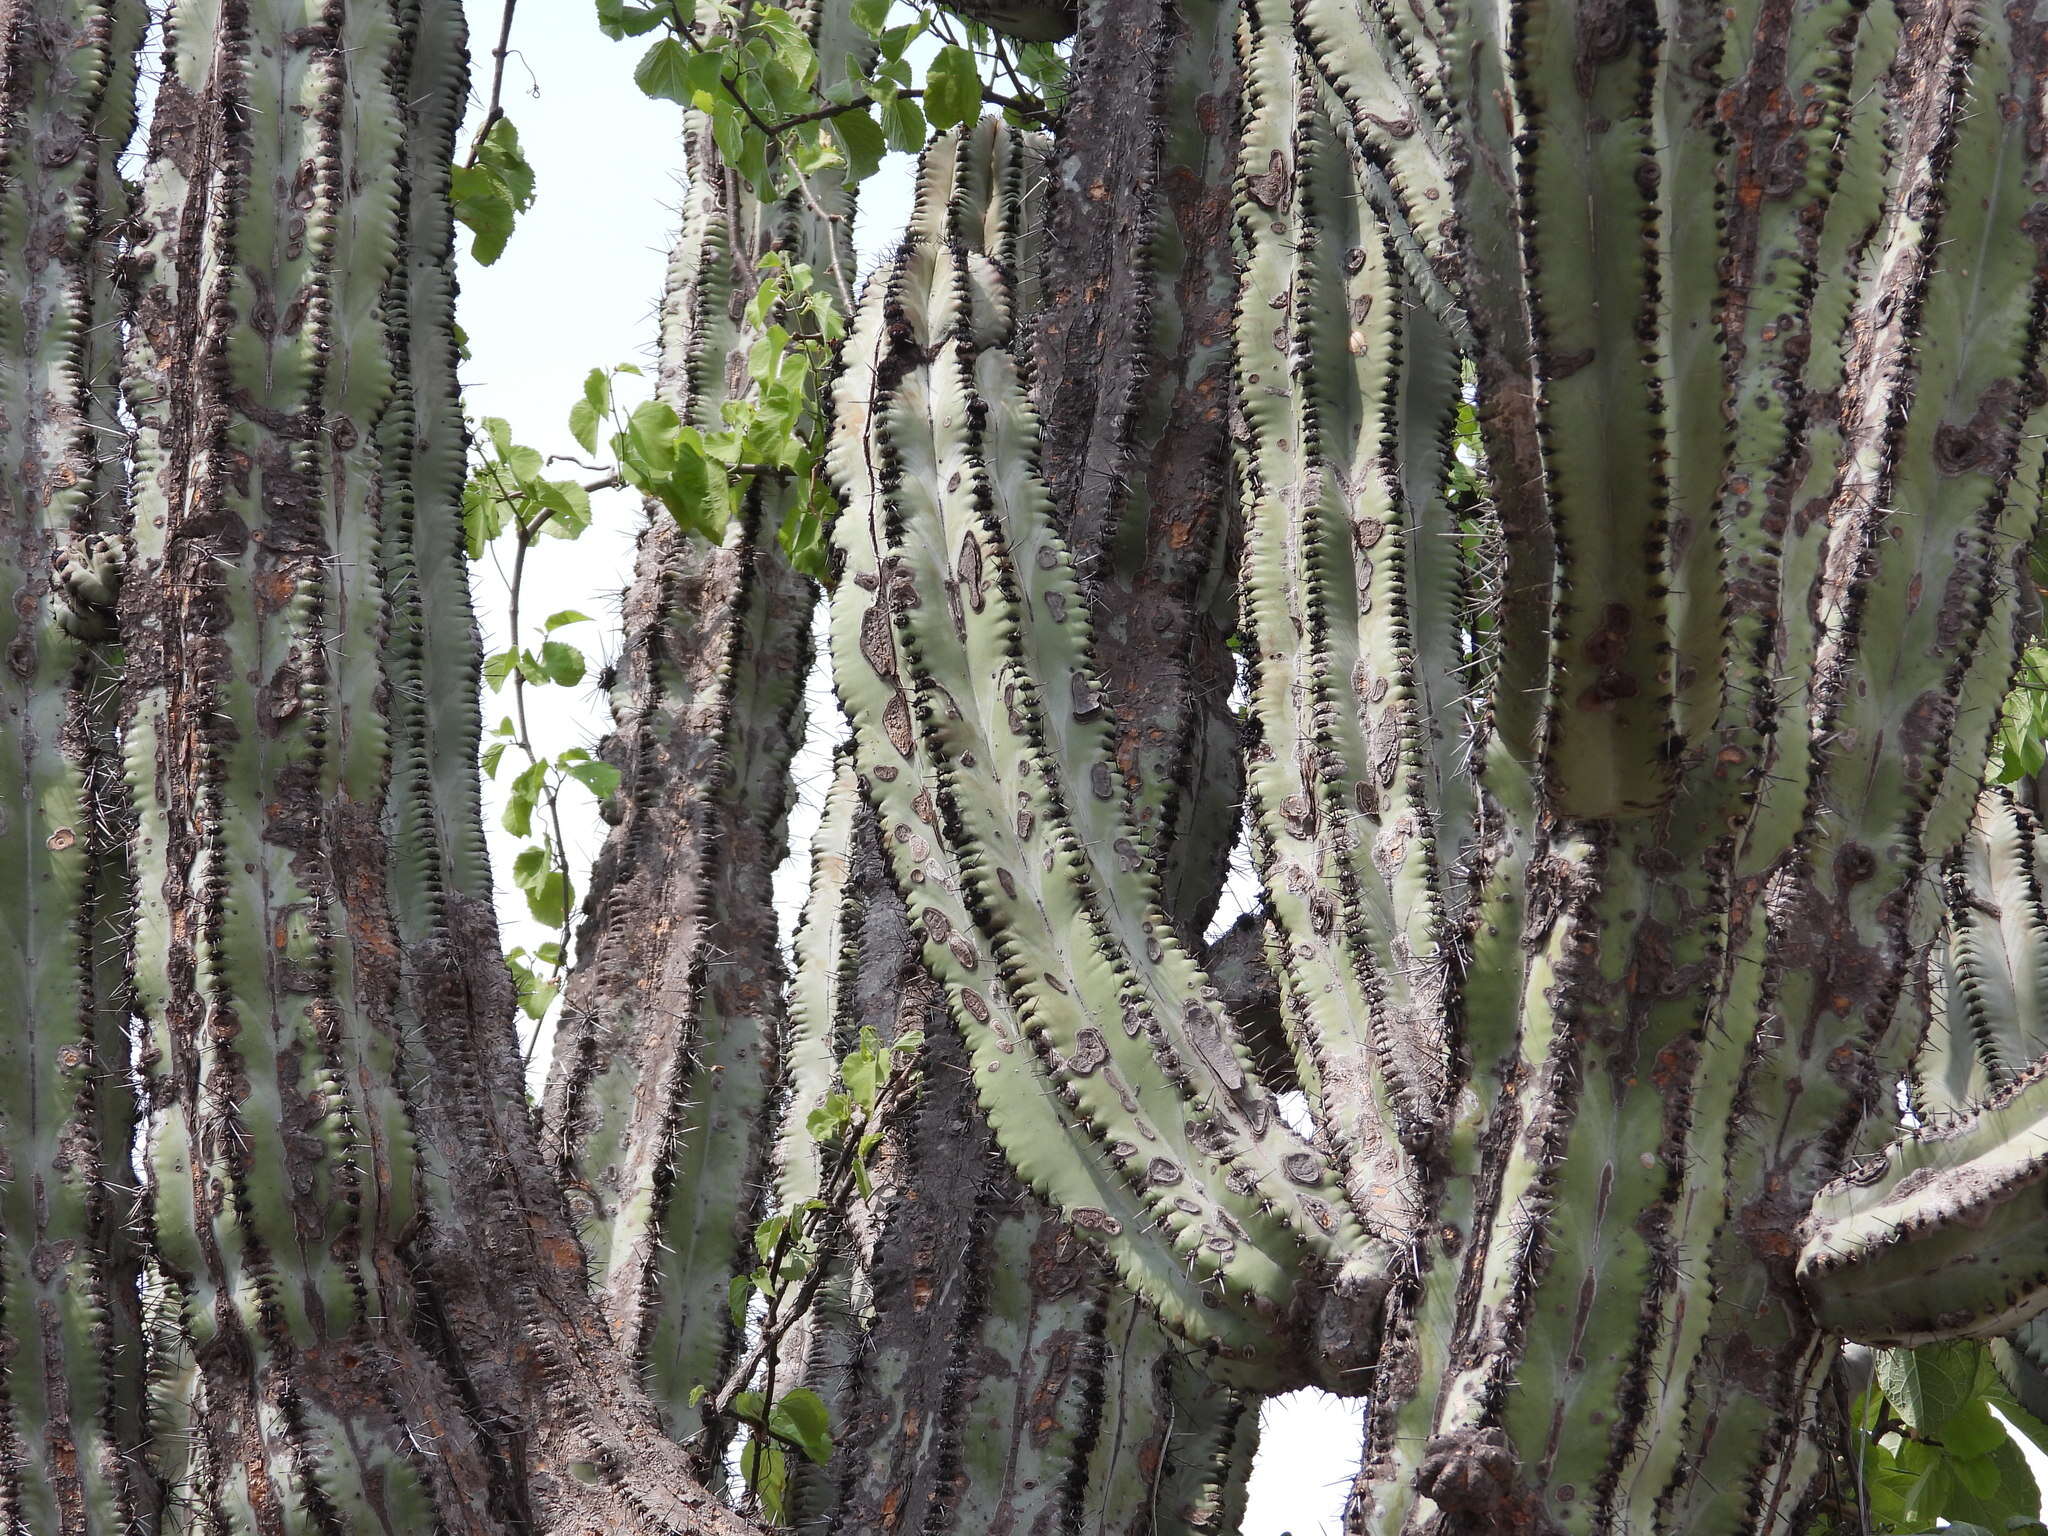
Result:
pixel 1985 1005
pixel 349 1288
pixel 1064 1418
pixel 821 1350
pixel 958 1343
pixel 282 1189
pixel 72 1416
pixel 660 1101
pixel 1693 884
pixel 1130 374
pixel 1963 466
pixel 1109 997
pixel 1939 1235
pixel 1344 835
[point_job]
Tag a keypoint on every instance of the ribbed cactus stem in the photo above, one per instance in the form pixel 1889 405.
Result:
pixel 1768 527
pixel 982 745
pixel 1131 376
pixel 1130 371
pixel 1957 462
pixel 1173 1456
pixel 821 1350
pixel 1939 1235
pixel 260 368
pixel 1988 1010
pixel 661 1096
pixel 1347 839
pixel 71 1409
pixel 349 1207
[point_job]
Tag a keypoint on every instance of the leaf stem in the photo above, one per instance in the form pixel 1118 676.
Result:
pixel 496 106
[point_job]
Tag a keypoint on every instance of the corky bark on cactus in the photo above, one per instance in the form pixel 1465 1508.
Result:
pixel 667 1058
pixel 71 1413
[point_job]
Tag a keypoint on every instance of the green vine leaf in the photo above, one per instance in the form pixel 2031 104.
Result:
pixel 587 414
pixel 1927 1385
pixel 862 142
pixel 491 192
pixel 952 93
pixel 535 991
pixel 545 886
pixel 664 73
pixel 766 1471
pixel 2020 749
pixel 1943 1441
pixel 623 18
pixel 800 1416
pixel 560 663
pixel 594 774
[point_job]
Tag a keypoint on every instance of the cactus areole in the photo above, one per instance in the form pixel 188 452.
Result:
pixel 1550 482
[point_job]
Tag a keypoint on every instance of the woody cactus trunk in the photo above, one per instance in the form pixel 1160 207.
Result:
pixel 1612 773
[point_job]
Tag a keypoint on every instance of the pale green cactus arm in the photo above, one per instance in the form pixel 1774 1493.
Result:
pixel 1939 1236
pixel 1339 582
pixel 1997 952
pixel 822 1349
pixel 827 960
pixel 923 474
pixel 1989 1015
pixel 1132 367
pixel 72 1417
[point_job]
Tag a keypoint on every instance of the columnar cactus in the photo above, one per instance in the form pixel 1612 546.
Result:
pixel 368 1263
pixel 1049 903
pixel 1535 1025
pixel 71 1415
pixel 1052 1404
pixel 1614 779
pixel 660 1101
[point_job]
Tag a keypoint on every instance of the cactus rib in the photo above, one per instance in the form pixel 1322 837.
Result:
pixel 1880 653
pixel 71 1410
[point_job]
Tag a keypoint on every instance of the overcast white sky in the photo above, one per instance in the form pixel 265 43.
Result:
pixel 577 289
